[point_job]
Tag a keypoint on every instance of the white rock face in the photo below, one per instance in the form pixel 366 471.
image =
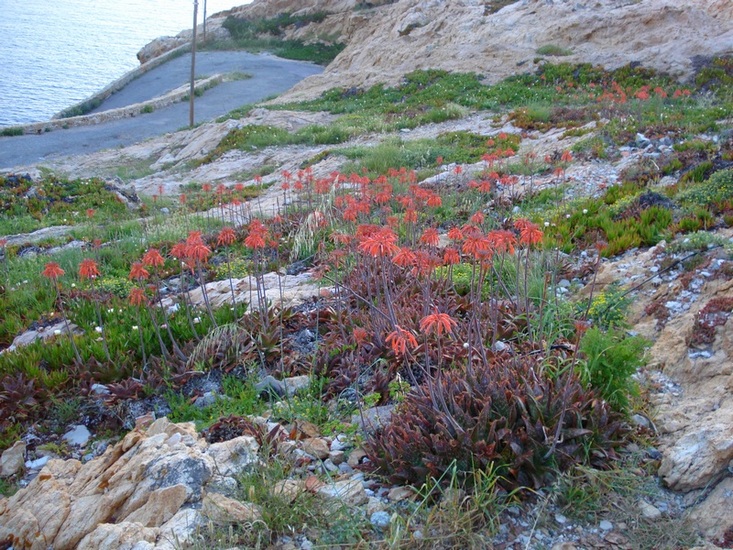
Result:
pixel 136 495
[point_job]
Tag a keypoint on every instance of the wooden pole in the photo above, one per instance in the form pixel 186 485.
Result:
pixel 203 38
pixel 193 64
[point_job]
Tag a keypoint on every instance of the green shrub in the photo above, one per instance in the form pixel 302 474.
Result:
pixel 610 360
pixel 12 131
pixel 555 50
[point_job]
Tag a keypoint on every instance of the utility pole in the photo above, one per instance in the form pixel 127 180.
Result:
pixel 191 94
pixel 203 38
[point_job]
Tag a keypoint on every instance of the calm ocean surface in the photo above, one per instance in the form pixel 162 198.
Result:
pixel 55 53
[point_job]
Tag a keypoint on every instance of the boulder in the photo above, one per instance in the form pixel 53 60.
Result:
pixel 136 492
pixel 225 511
pixel 12 460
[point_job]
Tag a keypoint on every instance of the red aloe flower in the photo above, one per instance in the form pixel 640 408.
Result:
pixel 196 248
pixel 476 245
pixel 257 235
pixel 430 237
pixel 179 251
pixel 153 258
pixel 477 218
pixel 360 335
pixel 137 296
pixel 400 340
pixel 529 233
pixel 52 270
pixel 437 323
pixel 434 201
pixel 404 258
pixel 451 256
pixel 88 269
pixel 502 240
pixel 226 237
pixel 455 234
pixel 381 243
pixel 138 272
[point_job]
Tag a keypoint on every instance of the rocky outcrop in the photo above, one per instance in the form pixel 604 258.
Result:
pixel 386 42
pixel 147 485
pixel 690 384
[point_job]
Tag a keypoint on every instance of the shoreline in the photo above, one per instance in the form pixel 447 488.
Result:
pixel 57 123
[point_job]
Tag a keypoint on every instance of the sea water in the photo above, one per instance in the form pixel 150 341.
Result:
pixel 56 53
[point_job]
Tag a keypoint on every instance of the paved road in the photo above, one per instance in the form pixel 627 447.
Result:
pixel 270 76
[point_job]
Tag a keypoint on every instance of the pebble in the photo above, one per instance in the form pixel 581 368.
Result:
pixel 100 389
pixel 649 511
pixel 38 463
pixel 77 435
pixel 606 525
pixel 561 519
pixel 380 520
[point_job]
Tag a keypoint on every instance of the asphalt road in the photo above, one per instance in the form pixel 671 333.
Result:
pixel 270 76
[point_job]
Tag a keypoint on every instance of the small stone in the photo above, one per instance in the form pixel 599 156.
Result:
pixel 296 384
pixel 337 457
pixel 605 525
pixel 562 520
pixel 316 446
pixel 78 435
pixel 224 510
pixel 641 420
pixel 356 457
pixel 12 460
pixel 564 546
pixel 270 385
pixel 398 494
pixel 339 443
pixel 38 463
pixel 649 511
pixel 100 389
pixel 380 520
pixel 206 400
pixel 289 489
pixel 330 466
pixel 349 491
pixel 375 505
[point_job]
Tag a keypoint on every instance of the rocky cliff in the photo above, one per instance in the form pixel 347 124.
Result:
pixel 388 39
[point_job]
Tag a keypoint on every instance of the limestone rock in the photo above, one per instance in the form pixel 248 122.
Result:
pixel 12 460
pixel 385 43
pixel 233 455
pixel 158 47
pixel 697 457
pixel 289 489
pixel 316 446
pixel 224 510
pixel 120 536
pixel 349 491
pixel 161 506
pixel 713 515
pixel 143 482
pixel 181 527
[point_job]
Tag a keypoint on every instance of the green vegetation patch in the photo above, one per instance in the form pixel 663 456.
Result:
pixel 27 205
pixel 266 34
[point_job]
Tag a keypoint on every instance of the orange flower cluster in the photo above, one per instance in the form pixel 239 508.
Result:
pixel 401 341
pixel 257 237
pixel 88 269
pixel 437 323
pixel 52 271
